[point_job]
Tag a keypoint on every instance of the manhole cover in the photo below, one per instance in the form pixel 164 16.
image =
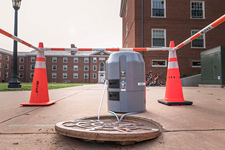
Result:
pixel 128 131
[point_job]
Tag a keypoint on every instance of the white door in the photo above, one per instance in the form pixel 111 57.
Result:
pixel 101 76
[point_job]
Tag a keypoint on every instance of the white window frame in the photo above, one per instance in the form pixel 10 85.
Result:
pixel 164 9
pixel 31 67
pixel 54 59
pixel 20 67
pixel 6 66
pixel 66 68
pixel 94 59
pixel 54 77
pixel 159 65
pixel 86 58
pixel 203 5
pixel 64 74
pixel 87 76
pixel 204 46
pixel 195 61
pixel 95 75
pixel 87 67
pixel 6 74
pixel 21 58
pixel 74 75
pixel 74 68
pixel 94 68
pixel 0 64
pixel 53 67
pixel 164 37
pixel 75 58
pixel 0 56
pixel 31 75
pixel 65 58
pixel 32 59
pixel 100 66
pixel 21 73
pixel 7 57
pixel 0 74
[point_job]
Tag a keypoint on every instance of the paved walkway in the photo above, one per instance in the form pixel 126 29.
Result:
pixel 200 126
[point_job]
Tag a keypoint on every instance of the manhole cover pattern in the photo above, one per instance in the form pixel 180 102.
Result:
pixel 109 129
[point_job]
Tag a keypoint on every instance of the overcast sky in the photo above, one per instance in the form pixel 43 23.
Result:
pixel 57 23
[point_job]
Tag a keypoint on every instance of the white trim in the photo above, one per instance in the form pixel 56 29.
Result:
pixel 31 75
pixel 204 46
pixel 54 69
pixel 76 58
pixel 31 67
pixel 100 66
pixel 164 37
pixel 94 59
pixel 164 9
pixel 195 66
pixel 203 6
pixel 20 60
pixel 21 73
pixel 94 67
pixel 32 59
pixel 66 59
pixel 7 56
pixel 159 65
pixel 87 59
pixel 53 59
pixel 0 64
pixel 87 68
pixel 20 66
pixel 87 76
pixel 6 74
pixel 6 66
pixel 74 68
pixel 66 68
pixel 0 74
pixel 74 77
pixel 95 75
pixel 0 56
pixel 55 75
pixel 63 76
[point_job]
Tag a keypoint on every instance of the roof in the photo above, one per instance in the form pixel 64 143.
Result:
pixel 5 51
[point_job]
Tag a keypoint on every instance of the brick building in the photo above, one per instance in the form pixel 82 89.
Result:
pixel 62 66
pixel 154 23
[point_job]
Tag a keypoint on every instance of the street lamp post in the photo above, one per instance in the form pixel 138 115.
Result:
pixel 14 82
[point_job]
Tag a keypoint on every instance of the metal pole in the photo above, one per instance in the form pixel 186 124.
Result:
pixel 14 82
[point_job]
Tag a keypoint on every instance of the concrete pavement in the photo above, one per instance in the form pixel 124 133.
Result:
pixel 200 126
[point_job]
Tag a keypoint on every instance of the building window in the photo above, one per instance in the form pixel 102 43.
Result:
pixel 198 42
pixel 196 64
pixel 86 60
pixel 54 75
pixel 85 75
pixel 31 75
pixel 6 74
pixel 21 59
pixel 75 75
pixel 94 59
pixel 21 75
pixel 7 58
pixel 32 59
pixel 64 67
pixel 54 67
pixel 0 65
pixel 94 75
pixel 126 29
pixel 0 56
pixel 159 63
pixel 75 67
pixel 126 8
pixel 75 60
pixel 6 66
pixel 21 67
pixel 54 59
pixel 101 66
pixel 94 67
pixel 159 37
pixel 31 67
pixel 197 9
pixel 65 59
pixel 85 68
pixel 158 8
pixel 64 75
pixel 0 74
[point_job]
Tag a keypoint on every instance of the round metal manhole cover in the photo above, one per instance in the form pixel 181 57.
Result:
pixel 130 130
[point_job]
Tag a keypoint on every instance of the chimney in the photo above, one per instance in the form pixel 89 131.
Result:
pixel 73 52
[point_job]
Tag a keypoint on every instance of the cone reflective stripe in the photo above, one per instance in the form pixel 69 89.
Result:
pixel 174 92
pixel 39 91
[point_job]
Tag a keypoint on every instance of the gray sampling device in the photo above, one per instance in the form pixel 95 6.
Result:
pixel 125 72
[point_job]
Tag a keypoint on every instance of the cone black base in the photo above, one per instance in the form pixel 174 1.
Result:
pixel 175 103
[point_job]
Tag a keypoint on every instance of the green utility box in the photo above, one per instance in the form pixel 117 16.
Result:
pixel 213 67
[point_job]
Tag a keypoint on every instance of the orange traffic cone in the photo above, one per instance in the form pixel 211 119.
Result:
pixel 39 91
pixel 174 93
